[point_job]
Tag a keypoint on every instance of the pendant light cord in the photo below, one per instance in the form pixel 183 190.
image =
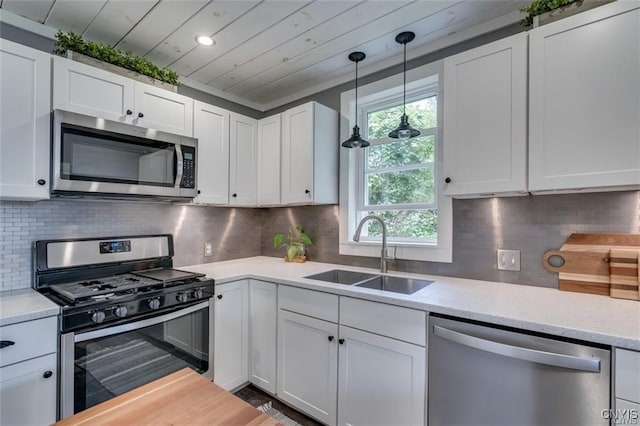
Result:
pixel 404 82
pixel 356 94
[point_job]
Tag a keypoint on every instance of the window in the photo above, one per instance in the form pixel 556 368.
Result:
pixel 398 176
pixel 396 179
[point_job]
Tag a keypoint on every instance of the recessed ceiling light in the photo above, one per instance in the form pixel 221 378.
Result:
pixel 204 40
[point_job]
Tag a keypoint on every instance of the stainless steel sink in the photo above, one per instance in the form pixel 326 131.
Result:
pixel 339 276
pixel 394 284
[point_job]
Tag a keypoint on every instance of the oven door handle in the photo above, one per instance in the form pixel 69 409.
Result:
pixel 110 331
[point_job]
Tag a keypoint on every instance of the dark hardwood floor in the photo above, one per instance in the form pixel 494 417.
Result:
pixel 256 397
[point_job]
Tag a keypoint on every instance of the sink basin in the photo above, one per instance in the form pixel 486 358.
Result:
pixel 395 284
pixel 338 276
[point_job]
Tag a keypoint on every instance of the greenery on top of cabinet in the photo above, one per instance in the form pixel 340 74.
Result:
pixel 103 52
pixel 538 7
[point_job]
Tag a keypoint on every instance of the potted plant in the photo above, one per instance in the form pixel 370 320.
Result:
pixel 544 11
pixel 295 243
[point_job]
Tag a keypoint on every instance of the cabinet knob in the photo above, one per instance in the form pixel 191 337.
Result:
pixel 198 191
pixel 234 195
pixel 219 296
pixel 140 115
pixel 447 180
pixel 341 341
pixel 129 112
pixel 306 191
pixel 6 343
pixel 41 182
pixel 47 374
pixel 331 338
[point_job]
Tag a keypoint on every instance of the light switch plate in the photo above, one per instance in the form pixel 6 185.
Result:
pixel 509 260
pixel 208 249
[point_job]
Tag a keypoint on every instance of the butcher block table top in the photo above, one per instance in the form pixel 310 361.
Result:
pixel 181 398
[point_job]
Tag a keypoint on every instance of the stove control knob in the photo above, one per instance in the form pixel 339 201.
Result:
pixel 97 317
pixel 182 297
pixel 120 311
pixel 197 293
pixel 154 303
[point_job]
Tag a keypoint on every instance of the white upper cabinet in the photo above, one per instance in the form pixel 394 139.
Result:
pixel 88 90
pixel 25 105
pixel 584 85
pixel 211 128
pixel 269 136
pixel 243 161
pixel 163 110
pixel 310 144
pixel 485 119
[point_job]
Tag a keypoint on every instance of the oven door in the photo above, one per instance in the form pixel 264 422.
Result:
pixel 100 364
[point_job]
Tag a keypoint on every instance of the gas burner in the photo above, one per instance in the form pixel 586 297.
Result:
pixel 90 283
pixel 101 287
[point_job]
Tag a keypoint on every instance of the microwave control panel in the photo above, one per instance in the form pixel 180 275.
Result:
pixel 188 167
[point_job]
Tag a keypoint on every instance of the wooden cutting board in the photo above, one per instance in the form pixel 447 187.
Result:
pixel 586 267
pixel 182 398
pixel 623 267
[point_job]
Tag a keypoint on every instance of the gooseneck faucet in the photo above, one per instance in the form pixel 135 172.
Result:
pixel 383 254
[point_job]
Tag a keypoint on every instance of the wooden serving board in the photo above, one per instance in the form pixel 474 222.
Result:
pixel 587 267
pixel 181 398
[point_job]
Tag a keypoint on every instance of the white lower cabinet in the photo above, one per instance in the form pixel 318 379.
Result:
pixel 231 334
pixel 308 365
pixel 28 392
pixel 263 315
pixel 381 381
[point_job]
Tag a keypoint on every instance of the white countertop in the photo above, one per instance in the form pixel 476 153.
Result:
pixel 586 317
pixel 25 305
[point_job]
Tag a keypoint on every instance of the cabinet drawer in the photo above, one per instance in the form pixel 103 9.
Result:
pixel 30 339
pixel 387 320
pixel 628 375
pixel 308 302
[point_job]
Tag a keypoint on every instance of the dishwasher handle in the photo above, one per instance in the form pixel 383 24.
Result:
pixel 517 352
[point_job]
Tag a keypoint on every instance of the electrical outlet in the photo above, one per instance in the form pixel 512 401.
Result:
pixel 509 260
pixel 208 249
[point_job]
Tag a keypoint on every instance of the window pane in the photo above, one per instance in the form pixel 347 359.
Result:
pixel 410 151
pixel 405 187
pixel 422 115
pixel 405 224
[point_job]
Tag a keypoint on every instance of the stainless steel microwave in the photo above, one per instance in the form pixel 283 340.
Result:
pixel 107 159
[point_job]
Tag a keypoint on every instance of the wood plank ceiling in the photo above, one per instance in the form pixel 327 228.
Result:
pixel 264 50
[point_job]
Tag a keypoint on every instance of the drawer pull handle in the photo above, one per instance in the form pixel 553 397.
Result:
pixel 6 343
pixel 47 374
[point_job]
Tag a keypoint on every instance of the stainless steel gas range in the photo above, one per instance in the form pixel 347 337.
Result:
pixel 127 317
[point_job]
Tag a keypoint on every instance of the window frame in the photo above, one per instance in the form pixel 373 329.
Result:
pixel 421 82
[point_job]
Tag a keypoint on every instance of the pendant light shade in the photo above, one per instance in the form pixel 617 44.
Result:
pixel 355 141
pixel 404 130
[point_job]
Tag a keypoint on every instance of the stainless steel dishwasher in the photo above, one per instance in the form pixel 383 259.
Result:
pixel 482 375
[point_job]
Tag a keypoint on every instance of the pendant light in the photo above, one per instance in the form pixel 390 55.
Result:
pixel 355 141
pixel 404 130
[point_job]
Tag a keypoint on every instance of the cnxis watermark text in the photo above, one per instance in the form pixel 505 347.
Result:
pixel 626 416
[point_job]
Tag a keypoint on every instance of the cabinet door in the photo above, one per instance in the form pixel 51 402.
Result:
pixel 269 132
pixel 88 90
pixel 297 154
pixel 263 317
pixel 25 102
pixel 28 392
pixel 584 86
pixel 211 128
pixel 381 380
pixel 485 119
pixel 161 109
pixel 308 365
pixel 231 335
pixel 243 160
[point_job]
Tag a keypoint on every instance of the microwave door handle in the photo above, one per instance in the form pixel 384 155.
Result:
pixel 179 164
pixel 517 352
